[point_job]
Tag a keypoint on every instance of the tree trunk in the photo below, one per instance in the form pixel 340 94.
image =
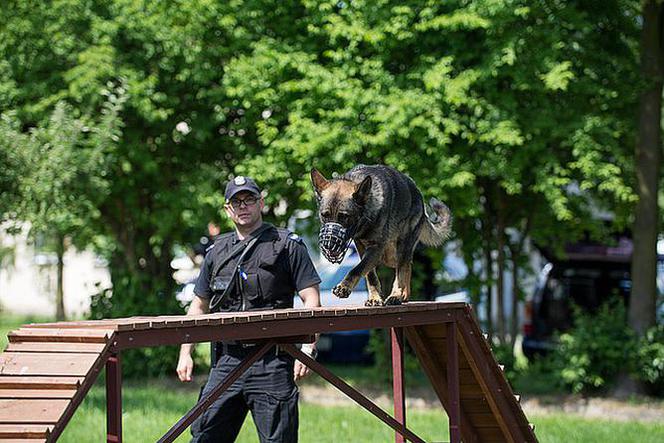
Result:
pixel 500 278
pixel 648 158
pixel 488 266
pixel 59 291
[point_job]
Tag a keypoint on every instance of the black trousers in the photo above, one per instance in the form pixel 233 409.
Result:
pixel 266 389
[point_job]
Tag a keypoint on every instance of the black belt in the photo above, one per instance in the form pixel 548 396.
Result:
pixel 244 349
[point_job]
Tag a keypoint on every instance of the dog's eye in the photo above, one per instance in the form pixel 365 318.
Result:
pixel 342 216
pixel 325 215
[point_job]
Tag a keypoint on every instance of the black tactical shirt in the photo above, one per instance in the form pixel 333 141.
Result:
pixel 290 269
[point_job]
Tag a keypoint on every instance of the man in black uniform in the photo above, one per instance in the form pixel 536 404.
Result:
pixel 257 266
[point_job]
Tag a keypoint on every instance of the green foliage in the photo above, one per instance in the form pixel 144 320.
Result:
pixel 508 110
pixel 380 347
pixel 138 300
pixel 14 165
pixel 598 348
pixel 650 366
pixel 504 355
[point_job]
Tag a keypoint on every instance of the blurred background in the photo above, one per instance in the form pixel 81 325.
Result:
pixel 538 123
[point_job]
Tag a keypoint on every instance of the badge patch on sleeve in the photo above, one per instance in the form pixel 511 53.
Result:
pixel 293 236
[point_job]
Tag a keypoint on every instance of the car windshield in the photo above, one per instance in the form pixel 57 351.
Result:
pixel 333 276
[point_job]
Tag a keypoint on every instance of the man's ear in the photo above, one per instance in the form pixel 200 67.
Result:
pixel 361 194
pixel 319 182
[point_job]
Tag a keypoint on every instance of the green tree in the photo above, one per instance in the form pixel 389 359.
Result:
pixel 515 113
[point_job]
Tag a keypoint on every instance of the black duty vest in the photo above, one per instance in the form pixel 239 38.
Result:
pixel 263 280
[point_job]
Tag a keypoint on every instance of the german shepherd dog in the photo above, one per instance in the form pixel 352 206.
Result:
pixel 382 210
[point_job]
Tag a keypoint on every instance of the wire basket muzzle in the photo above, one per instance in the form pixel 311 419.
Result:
pixel 334 241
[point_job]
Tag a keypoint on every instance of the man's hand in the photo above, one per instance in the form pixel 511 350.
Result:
pixel 185 367
pixel 185 362
pixel 301 370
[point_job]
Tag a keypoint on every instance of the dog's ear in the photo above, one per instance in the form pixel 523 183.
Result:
pixel 361 194
pixel 319 182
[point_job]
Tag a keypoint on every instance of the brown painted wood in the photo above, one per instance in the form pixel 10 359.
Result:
pixel 31 411
pixel 24 363
pixel 83 389
pixel 24 431
pixel 9 394
pixel 499 395
pixel 59 335
pixel 80 348
pixel 273 328
pixel 26 382
pixel 437 375
pixel 481 407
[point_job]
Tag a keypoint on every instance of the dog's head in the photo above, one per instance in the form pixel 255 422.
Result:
pixel 341 206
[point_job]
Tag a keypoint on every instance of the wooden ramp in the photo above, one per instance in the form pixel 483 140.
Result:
pixel 47 369
pixel 44 375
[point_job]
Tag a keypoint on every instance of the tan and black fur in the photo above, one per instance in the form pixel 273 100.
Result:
pixel 391 218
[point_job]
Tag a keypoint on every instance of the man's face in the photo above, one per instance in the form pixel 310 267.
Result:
pixel 244 208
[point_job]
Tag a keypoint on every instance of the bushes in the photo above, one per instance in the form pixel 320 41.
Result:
pixel 650 360
pixel 600 347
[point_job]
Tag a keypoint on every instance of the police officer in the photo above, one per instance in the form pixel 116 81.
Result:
pixel 257 266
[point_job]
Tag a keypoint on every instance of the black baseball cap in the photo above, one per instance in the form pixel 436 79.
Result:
pixel 241 183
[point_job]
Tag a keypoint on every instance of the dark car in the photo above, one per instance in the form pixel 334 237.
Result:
pixel 587 277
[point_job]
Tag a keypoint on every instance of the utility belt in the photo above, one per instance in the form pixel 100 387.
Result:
pixel 241 350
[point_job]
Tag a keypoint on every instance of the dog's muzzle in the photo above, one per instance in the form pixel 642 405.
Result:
pixel 334 241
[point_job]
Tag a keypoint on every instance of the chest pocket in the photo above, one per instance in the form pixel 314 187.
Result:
pixel 267 275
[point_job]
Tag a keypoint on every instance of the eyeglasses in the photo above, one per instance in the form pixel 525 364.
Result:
pixel 237 203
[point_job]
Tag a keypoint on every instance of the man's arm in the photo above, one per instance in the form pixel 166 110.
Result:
pixel 311 299
pixel 185 362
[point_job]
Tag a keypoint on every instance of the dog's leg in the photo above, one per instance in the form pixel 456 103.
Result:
pixel 369 261
pixel 401 286
pixel 373 282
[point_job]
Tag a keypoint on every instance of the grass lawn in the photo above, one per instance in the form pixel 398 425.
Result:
pixel 150 408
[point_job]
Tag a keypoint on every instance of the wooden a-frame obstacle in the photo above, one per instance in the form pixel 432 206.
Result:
pixel 47 369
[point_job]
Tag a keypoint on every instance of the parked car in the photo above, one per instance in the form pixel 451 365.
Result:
pixel 587 277
pixel 343 346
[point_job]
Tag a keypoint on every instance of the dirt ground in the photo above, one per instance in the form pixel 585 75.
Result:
pixel 642 409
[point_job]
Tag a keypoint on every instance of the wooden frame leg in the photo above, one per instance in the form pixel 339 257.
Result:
pixel 114 399
pixel 398 385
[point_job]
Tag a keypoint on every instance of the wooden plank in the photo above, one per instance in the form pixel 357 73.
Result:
pixel 13 382
pixel 483 420
pixel 507 411
pixel 435 331
pixel 60 335
pixel 36 393
pixel 437 376
pixel 24 431
pixel 108 324
pixel 31 411
pixel 37 346
pixel 14 363
pixel 476 405
pixel 23 440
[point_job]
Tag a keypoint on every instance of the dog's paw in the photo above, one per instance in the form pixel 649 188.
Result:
pixel 393 300
pixel 341 290
pixel 373 302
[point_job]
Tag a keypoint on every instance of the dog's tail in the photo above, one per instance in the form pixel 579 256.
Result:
pixel 438 224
